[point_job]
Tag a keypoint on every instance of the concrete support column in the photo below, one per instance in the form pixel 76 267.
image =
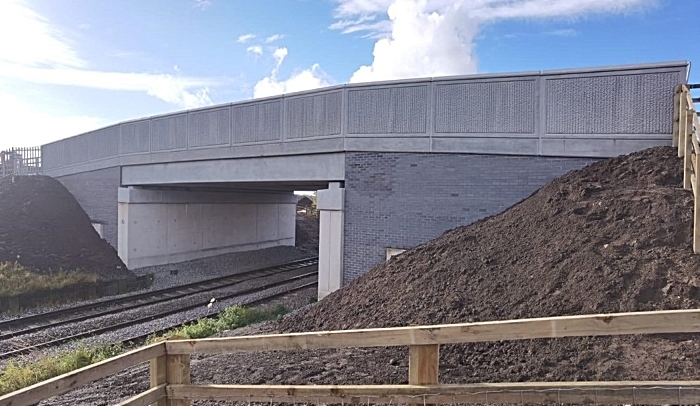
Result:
pixel 330 203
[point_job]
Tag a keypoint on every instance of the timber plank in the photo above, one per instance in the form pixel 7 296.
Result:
pixel 66 382
pixel 145 398
pixel 657 322
pixel 624 392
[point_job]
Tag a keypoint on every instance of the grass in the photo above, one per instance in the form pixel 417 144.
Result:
pixel 17 375
pixel 16 279
pixel 231 318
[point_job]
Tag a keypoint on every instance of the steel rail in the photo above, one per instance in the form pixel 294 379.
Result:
pixel 117 326
pixel 165 295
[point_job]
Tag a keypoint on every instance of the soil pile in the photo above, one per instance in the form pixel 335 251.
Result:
pixel 307 229
pixel 44 228
pixel 614 236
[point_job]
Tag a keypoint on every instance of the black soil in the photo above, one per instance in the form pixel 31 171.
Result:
pixel 44 228
pixel 307 232
pixel 612 237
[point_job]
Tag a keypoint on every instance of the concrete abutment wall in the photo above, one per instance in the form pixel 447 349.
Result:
pixel 167 226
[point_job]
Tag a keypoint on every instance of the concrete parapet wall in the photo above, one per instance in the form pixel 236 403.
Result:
pixel 599 112
pixel 158 227
pixel 399 200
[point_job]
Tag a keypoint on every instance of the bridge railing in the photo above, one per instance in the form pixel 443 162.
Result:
pixel 587 112
pixel 686 133
pixel 170 381
pixel 20 161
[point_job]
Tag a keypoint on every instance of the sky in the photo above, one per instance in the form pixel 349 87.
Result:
pixel 71 66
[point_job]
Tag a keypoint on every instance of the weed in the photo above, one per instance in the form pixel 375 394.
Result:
pixel 16 279
pixel 17 375
pixel 231 318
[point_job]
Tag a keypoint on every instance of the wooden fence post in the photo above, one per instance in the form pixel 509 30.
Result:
pixel 178 372
pixel 676 115
pixel 696 207
pixel 685 131
pixel 682 114
pixel 168 369
pixel 158 371
pixel 423 365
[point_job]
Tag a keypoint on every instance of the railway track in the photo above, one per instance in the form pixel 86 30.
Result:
pixel 222 288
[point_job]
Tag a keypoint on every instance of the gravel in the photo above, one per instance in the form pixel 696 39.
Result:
pixel 187 272
pixel 196 299
pixel 122 385
pixel 165 276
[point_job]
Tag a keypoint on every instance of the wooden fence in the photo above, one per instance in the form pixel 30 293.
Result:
pixel 170 366
pixel 686 129
pixel 20 161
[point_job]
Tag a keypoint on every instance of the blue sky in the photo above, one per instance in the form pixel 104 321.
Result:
pixel 69 66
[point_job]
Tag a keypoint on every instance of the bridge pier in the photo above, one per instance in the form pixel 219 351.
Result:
pixel 166 226
pixel 331 204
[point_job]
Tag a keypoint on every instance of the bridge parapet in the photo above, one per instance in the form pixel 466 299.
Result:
pixel 598 112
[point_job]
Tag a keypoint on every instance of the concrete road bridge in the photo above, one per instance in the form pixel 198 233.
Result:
pixel 394 163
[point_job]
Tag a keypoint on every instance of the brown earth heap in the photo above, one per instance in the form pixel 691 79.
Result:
pixel 44 228
pixel 614 236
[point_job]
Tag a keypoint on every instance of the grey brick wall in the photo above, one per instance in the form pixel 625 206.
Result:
pixel 402 200
pixel 96 191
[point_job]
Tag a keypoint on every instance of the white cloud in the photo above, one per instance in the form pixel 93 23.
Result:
pixel 171 89
pixel 28 38
pixel 273 38
pixel 202 4
pixel 279 54
pixel 255 49
pixel 420 38
pixel 44 55
pixel 566 32
pixel 307 79
pixel 245 38
pixel 23 125
pixel 422 43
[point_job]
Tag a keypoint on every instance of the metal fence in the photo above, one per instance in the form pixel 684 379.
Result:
pixel 20 161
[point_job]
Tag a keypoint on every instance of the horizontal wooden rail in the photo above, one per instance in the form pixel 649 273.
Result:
pixel 670 321
pixel 66 382
pixel 146 398
pixel 170 369
pixel 630 392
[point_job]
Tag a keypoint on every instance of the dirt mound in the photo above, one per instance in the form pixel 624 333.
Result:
pixel 307 228
pixel 614 236
pixel 44 228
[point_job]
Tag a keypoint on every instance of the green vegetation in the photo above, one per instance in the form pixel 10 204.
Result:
pixel 17 375
pixel 231 318
pixel 16 279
